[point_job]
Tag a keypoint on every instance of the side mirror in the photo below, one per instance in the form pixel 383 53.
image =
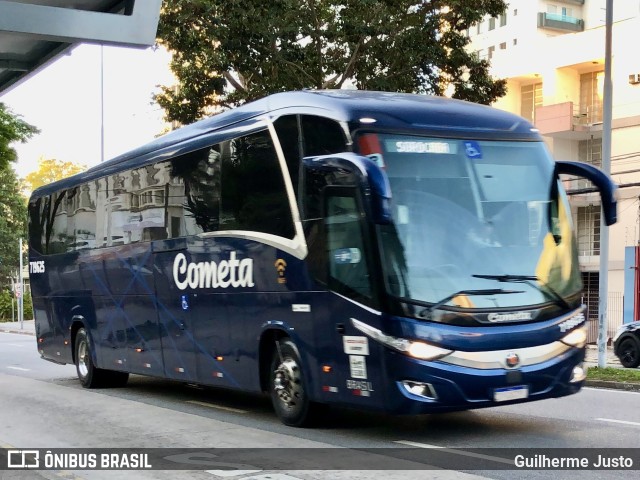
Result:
pixel 362 172
pixel 603 183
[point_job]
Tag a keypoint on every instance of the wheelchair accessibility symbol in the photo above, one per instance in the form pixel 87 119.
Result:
pixel 472 149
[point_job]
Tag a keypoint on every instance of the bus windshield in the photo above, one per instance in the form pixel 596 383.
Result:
pixel 476 224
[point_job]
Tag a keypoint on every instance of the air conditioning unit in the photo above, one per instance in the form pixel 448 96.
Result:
pixel 634 78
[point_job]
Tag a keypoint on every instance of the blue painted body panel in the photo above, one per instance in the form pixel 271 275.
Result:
pixel 213 339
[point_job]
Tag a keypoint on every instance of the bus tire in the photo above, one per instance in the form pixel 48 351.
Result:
pixel 89 375
pixel 287 387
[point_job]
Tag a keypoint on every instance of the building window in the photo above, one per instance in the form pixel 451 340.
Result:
pixel 591 91
pixel 491 50
pixel 515 41
pixel 503 19
pixel 590 151
pixel 561 11
pixel 503 46
pixel 588 228
pixel 515 12
pixel 492 23
pixel 530 98
pixel 591 298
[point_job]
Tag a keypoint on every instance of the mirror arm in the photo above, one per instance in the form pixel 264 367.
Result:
pixel 605 185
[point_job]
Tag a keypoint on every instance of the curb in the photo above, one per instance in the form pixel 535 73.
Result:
pixel 19 332
pixel 629 387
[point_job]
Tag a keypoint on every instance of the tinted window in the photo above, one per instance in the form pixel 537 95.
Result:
pixel 36 224
pixel 194 188
pixel 348 269
pixel 81 217
pixel 48 223
pixel 322 136
pixel 180 197
pixel 254 197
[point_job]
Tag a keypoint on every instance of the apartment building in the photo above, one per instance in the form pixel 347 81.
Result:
pixel 551 52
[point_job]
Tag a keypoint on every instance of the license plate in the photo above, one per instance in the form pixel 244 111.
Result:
pixel 510 393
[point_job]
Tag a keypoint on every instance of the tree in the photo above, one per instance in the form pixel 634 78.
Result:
pixel 13 223
pixel 13 211
pixel 226 52
pixel 50 170
pixel 12 129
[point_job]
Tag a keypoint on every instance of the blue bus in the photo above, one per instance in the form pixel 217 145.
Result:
pixel 382 251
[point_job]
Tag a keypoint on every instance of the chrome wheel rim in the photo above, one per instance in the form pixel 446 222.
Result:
pixel 83 352
pixel 287 383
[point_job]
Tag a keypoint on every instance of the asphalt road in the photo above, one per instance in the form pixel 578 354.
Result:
pixel 43 406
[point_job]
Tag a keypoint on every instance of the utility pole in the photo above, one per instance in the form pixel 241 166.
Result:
pixel 606 167
pixel 21 289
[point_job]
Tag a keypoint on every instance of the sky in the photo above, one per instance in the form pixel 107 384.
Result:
pixel 64 102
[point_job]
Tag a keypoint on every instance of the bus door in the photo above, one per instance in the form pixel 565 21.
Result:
pixel 175 312
pixel 349 265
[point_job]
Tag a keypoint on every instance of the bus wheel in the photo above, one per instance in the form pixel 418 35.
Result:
pixel 90 376
pixel 286 387
pixel 84 365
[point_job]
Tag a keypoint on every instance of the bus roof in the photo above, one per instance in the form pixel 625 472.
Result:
pixel 397 111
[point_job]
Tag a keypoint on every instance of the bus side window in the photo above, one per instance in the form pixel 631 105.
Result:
pixel 289 138
pixel 56 223
pixel 254 197
pixel 349 273
pixel 322 136
pixel 36 225
pixel 194 192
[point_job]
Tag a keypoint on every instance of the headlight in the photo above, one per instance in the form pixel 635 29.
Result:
pixel 577 338
pixel 420 350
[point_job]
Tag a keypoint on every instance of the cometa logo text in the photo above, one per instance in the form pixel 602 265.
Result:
pixel 227 273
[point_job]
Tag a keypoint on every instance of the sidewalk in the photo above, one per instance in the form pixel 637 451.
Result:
pixel 28 327
pixel 591 357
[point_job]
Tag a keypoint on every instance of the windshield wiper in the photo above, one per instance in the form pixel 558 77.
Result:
pixel 487 291
pixel 529 279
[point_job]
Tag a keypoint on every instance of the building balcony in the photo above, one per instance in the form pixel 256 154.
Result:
pixel 574 2
pixel 565 23
pixel 564 120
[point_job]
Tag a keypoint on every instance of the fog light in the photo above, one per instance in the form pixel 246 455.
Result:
pixel 579 373
pixel 424 390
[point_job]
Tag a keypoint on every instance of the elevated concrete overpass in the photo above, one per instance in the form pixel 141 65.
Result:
pixel 33 33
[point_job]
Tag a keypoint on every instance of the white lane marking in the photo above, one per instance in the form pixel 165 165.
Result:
pixel 457 452
pixel 625 422
pixel 20 368
pixel 231 473
pixel 15 344
pixel 219 407
pixel 272 476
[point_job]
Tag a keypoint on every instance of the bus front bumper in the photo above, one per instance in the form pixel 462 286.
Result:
pixel 438 386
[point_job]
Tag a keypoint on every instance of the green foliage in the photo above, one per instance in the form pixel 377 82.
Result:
pixel 12 129
pixel 5 307
pixel 50 170
pixel 227 52
pixel 614 374
pixel 13 223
